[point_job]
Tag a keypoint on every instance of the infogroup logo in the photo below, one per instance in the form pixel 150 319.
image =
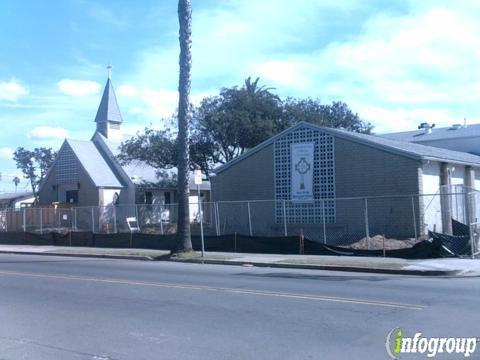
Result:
pixel 398 344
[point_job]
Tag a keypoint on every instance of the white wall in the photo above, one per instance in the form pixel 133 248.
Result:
pixel 108 196
pixel 457 175
pixel 477 196
pixel 18 203
pixel 114 134
pixel 431 204
pixel 430 177
pixel 477 179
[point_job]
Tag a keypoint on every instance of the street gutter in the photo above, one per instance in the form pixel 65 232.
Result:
pixel 281 265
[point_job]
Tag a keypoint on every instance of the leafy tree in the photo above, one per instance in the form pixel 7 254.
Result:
pixel 236 120
pixel 34 165
pixel 184 241
pixel 156 148
pixel 336 115
pixel 225 126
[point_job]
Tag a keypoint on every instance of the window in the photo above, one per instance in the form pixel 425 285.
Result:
pixel 72 196
pixel 116 199
pixel 148 197
pixel 168 200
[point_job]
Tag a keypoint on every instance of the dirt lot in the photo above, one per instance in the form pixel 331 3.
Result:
pixel 378 241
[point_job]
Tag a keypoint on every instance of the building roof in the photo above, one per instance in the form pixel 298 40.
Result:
pixel 15 195
pixel 94 164
pixel 108 109
pixel 416 151
pixel 402 148
pixel 452 132
pixel 141 173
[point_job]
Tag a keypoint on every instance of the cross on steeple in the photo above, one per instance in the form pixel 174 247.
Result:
pixel 109 70
pixel 108 117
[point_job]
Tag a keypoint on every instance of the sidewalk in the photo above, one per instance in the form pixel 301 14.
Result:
pixel 430 267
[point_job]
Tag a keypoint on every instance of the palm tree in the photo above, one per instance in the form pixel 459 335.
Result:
pixel 16 181
pixel 184 241
pixel 253 89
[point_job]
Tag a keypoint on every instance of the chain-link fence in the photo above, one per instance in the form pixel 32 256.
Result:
pixel 381 222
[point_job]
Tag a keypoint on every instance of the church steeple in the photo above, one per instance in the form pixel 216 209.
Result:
pixel 108 117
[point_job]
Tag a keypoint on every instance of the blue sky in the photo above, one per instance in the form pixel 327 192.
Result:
pixel 396 63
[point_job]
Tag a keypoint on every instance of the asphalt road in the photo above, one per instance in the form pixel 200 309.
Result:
pixel 77 308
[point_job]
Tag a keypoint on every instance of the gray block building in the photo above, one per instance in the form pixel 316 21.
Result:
pixel 308 175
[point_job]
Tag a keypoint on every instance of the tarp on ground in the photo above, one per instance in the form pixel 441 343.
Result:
pixel 224 243
pixel 452 245
pixel 460 229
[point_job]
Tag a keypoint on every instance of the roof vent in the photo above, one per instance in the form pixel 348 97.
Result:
pixel 426 127
pixel 456 126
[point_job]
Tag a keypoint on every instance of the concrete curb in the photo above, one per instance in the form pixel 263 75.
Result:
pixel 359 269
pixel 322 267
pixel 101 256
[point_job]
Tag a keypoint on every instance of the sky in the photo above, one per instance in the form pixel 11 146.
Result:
pixel 395 63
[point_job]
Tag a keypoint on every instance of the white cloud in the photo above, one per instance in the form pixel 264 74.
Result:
pixel 6 153
pixel 47 133
pixel 160 103
pixel 127 90
pixel 396 68
pixel 283 72
pixel 12 90
pixel 135 110
pixel 78 87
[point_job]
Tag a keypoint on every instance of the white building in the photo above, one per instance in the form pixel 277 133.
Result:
pixel 457 137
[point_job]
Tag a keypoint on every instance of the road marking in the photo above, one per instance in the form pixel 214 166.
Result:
pixel 221 289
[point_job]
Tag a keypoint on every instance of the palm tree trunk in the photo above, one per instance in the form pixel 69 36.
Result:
pixel 184 241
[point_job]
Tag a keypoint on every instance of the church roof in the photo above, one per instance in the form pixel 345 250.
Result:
pixel 94 164
pixel 108 109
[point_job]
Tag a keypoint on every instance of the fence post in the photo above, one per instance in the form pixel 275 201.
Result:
pixel 93 222
pixel 324 223
pixel 217 218
pixel 249 218
pixel 72 218
pixel 472 240
pixel 471 233
pixel 161 220
pixel 414 219
pixel 41 221
pixel 138 220
pixel 24 219
pixel 301 249
pixel 114 219
pixel 383 245
pixel 200 210
pixel 214 205
pixel 75 217
pixel 367 228
pixel 284 218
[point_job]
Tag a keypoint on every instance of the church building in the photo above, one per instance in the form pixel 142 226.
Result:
pixel 87 173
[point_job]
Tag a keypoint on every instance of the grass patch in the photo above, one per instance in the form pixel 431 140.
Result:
pixel 363 264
